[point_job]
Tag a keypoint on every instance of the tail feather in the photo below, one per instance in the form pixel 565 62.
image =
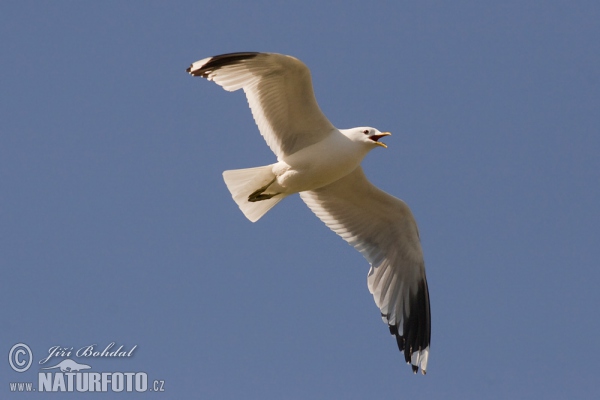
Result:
pixel 243 182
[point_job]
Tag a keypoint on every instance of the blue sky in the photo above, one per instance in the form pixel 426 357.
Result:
pixel 115 225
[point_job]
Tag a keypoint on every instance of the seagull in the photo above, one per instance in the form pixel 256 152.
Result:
pixel 322 164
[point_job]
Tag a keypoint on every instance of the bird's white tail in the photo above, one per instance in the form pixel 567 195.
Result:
pixel 243 182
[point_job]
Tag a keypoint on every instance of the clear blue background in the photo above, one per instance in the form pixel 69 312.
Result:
pixel 115 224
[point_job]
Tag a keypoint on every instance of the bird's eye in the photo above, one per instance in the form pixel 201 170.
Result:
pixel 366 131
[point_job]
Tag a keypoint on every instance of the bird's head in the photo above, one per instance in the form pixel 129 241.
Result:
pixel 367 135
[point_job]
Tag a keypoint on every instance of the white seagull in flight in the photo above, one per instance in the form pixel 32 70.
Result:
pixel 322 164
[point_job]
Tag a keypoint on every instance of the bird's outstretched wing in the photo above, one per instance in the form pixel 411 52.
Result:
pixel 280 93
pixel 383 229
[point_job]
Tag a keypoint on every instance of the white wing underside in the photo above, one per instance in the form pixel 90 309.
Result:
pixel 383 229
pixel 280 94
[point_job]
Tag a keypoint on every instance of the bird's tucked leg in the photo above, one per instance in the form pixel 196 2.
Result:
pixel 259 194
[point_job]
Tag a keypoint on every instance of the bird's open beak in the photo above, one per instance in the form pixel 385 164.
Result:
pixel 375 138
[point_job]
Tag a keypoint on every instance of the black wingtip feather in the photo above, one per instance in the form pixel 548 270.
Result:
pixel 416 329
pixel 221 60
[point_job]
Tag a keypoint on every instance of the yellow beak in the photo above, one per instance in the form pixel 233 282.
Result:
pixel 375 138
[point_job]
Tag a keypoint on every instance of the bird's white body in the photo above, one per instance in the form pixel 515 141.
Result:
pixel 317 165
pixel 322 164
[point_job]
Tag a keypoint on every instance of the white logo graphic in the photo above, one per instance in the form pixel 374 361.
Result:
pixel 20 357
pixel 69 366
